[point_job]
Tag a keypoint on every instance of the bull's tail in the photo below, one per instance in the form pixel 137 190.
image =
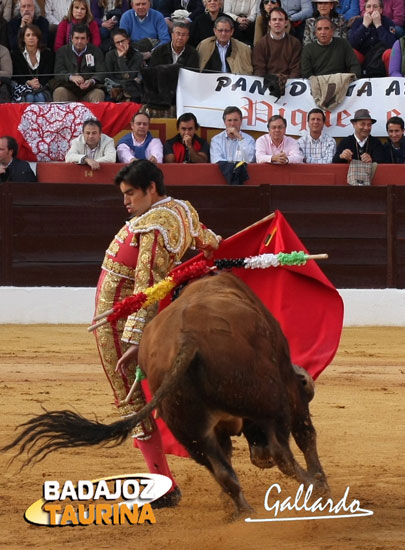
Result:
pixel 54 430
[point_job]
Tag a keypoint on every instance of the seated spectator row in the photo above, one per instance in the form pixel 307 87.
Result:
pixel 143 41
pixel 231 149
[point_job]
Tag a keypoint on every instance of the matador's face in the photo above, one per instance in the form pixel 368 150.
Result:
pixel 137 201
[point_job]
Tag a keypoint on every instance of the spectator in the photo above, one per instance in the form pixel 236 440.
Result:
pixel 203 26
pixel 186 146
pixel 27 17
pixel 361 145
pixel 397 59
pixel 394 10
pixel 34 60
pixel 372 38
pixel 222 53
pixel 139 144
pixel 232 145
pixel 348 9
pixel 328 55
pixel 194 8
pixel 243 12
pixel 123 64
pixel 79 14
pixel 177 51
pixel 317 147
pixel 142 22
pixel 79 69
pixel 6 7
pixel 325 8
pixel 107 14
pixel 395 146
pixel 56 11
pixel 276 147
pixel 12 168
pixel 298 12
pixel 6 71
pixel 92 147
pixel 262 19
pixel 277 53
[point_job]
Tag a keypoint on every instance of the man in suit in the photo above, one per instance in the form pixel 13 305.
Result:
pixel 92 147
pixel 79 69
pixel 12 168
pixel 177 51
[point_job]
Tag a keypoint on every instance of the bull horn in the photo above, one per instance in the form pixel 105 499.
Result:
pixel 306 379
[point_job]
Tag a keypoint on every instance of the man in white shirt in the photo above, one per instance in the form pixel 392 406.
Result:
pixel 139 144
pixel 232 144
pixel 317 147
pixel 92 147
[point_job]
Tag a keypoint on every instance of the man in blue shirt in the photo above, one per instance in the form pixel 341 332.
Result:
pixel 143 22
pixel 232 145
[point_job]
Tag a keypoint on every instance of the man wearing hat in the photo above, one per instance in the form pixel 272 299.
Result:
pixel 361 145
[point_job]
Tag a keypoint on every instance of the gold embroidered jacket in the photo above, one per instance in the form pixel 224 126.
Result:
pixel 149 246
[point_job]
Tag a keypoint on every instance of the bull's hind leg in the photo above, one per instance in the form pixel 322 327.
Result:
pixel 212 448
pixel 222 470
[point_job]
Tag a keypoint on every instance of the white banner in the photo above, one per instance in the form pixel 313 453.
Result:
pixel 207 95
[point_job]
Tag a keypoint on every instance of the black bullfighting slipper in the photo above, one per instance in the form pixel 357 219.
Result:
pixel 169 500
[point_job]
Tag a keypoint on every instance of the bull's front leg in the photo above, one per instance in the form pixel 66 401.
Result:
pixel 304 434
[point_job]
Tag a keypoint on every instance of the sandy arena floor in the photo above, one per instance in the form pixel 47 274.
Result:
pixel 358 412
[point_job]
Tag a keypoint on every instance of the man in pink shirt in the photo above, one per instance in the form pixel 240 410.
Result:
pixel 276 147
pixel 139 144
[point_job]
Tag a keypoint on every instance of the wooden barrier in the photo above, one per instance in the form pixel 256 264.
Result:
pixel 55 234
pixel 210 174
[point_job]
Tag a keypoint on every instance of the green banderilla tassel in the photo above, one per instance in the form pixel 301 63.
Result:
pixel 294 258
pixel 139 375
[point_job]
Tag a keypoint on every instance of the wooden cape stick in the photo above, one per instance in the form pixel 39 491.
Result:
pixel 101 319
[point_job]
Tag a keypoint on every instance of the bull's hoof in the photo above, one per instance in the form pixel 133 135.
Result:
pixel 262 462
pixel 169 500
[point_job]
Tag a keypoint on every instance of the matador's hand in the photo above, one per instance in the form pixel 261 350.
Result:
pixel 128 361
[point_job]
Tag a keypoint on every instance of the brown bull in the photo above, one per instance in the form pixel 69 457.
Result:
pixel 218 364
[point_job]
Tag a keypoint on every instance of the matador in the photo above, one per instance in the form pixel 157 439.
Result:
pixel 142 253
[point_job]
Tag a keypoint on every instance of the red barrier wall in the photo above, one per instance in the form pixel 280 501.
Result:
pixel 210 174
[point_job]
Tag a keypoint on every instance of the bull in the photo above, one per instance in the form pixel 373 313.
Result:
pixel 218 365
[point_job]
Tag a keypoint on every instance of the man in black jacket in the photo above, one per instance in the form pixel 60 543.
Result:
pixel 12 168
pixel 177 51
pixel 27 17
pixel 361 145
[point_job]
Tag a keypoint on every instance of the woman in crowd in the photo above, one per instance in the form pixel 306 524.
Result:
pixel 203 25
pixel 34 60
pixel 107 14
pixel 123 64
pixel 79 12
pixel 263 17
pixel 325 8
pixel 243 12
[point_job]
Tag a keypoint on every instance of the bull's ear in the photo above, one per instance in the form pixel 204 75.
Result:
pixel 306 381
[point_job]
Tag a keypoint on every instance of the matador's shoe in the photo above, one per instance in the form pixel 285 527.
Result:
pixel 169 500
